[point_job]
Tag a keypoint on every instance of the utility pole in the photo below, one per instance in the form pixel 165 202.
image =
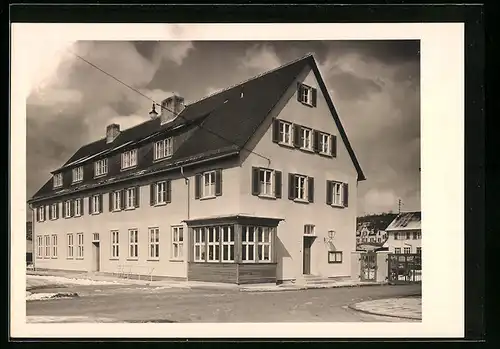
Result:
pixel 399 206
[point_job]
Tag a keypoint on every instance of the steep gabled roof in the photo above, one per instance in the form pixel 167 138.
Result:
pixel 223 124
pixel 406 221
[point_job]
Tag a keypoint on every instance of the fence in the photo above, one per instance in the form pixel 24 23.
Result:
pixel 404 268
pixel 134 271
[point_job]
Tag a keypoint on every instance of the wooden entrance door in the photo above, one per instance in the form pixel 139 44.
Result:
pixel 307 256
pixel 96 256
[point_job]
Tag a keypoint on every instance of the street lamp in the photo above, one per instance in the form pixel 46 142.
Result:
pixel 153 114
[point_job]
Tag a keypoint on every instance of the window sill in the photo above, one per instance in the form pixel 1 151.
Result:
pixel 129 209
pixel 123 169
pixel 133 258
pixel 328 155
pixel 53 258
pixel 114 211
pixel 307 104
pixel 268 197
pixel 80 258
pixel 302 201
pixel 176 260
pixel 208 197
pixel 160 204
pixel 286 145
pixel 153 259
pixel 329 262
pixel 70 258
pixel 337 206
pixel 77 182
pixel 95 214
pixel 162 159
pixel 101 175
pixel 307 150
pixel 114 259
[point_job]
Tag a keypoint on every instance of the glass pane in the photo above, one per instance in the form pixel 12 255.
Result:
pixel 251 252
pixel 157 250
pixel 196 252
pixel 244 233
pixel 181 232
pixel 251 234
pixel 217 252
pixel 231 234
pixel 180 250
pixel 259 234
pixel 217 234
pixel 197 236
pixel 266 253
pixel 225 252
pixel 244 253
pixel 231 252
pixel 259 252
pixel 225 234
pixel 210 235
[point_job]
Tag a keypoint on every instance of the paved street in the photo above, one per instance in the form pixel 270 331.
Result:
pixel 157 304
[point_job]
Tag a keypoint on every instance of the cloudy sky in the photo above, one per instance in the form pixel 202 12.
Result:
pixel 374 85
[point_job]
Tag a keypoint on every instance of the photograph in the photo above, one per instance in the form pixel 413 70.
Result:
pixel 224 182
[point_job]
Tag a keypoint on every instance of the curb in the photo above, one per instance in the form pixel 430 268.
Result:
pixel 302 288
pixel 353 307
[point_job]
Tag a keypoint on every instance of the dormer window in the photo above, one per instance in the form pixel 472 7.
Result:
pixel 100 167
pixel 77 174
pixel 163 149
pixel 58 180
pixel 306 95
pixel 129 159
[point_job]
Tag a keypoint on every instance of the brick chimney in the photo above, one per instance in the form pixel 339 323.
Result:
pixel 171 108
pixel 112 131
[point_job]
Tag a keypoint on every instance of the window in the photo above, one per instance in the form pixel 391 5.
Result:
pixel 337 194
pixel 116 204
pixel 309 229
pixel 307 95
pixel 78 207
pixel 41 213
pixel 130 198
pixel 263 244
pixel 408 236
pixel 379 240
pixel 266 182
pixel 47 246
pixel 95 237
pixel 407 250
pixel 58 180
pixel 372 239
pixel 248 244
pixel 163 148
pixel 396 236
pixel 96 204
pixel 78 174
pixel 325 143
pixel 100 167
pixel 397 250
pixel 115 244
pixel 39 244
pixel 160 193
pixel 419 250
pixel 199 245
pixel 129 159
pixel 419 235
pixel 208 186
pixel 305 138
pixel 54 211
pixel 334 256
pixel 213 242
pixel 300 183
pixel 177 242
pixel 154 243
pixel 54 246
pixel 227 243
pixel 67 209
pixel 79 250
pixel 285 133
pixel 133 251
pixel 70 246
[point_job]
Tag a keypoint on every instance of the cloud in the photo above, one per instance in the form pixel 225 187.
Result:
pixel 173 51
pixel 380 200
pixel 54 96
pixel 260 57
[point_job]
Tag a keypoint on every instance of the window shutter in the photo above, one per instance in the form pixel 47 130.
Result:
pixel 64 209
pixel 316 141
pixel 310 189
pixel 122 199
pixel 110 201
pixel 168 191
pixel 334 146
pixel 137 196
pixel 50 212
pixel 57 210
pixel 37 214
pixel 46 209
pixel 291 189
pixel 314 96
pixel 345 194
pixel 218 182
pixel 299 91
pixel 152 196
pixel 197 186
pixel 72 208
pixel 90 206
pixel 255 181
pixel 276 130
pixel 82 211
pixel 296 136
pixel 329 193
pixel 100 204
pixel 277 184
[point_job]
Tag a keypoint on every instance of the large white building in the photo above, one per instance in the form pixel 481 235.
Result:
pixel 405 233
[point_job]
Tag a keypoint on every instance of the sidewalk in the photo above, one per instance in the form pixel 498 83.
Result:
pixel 90 279
pixel 404 308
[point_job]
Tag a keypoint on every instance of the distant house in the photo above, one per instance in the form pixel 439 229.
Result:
pixel 29 243
pixel 405 233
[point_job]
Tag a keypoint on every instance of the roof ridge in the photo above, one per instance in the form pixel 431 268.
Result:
pixel 310 54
